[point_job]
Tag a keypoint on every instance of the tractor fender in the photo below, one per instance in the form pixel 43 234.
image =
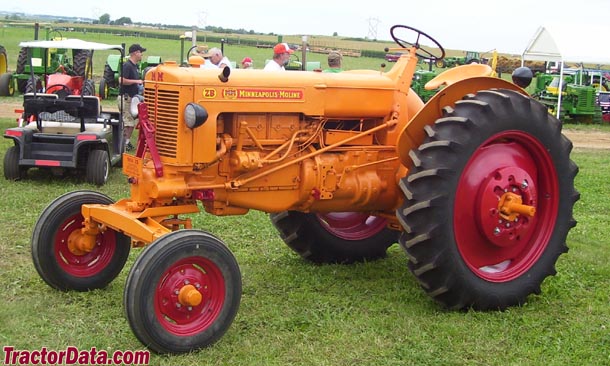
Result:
pixel 413 134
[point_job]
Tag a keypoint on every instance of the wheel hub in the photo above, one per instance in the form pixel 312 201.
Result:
pixel 79 243
pixel 188 295
pixel 507 200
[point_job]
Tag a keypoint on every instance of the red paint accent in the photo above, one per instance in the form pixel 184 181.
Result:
pixel 86 137
pixel 490 249
pixel 47 163
pixel 352 225
pixel 207 278
pixel 146 139
pixel 13 133
pixel 88 264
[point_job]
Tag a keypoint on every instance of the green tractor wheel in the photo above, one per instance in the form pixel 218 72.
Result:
pixel 7 87
pixel 22 60
pixel 3 60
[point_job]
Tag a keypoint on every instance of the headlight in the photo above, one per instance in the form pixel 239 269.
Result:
pixel 194 115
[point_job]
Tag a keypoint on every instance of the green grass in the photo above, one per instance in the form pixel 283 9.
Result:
pixel 295 313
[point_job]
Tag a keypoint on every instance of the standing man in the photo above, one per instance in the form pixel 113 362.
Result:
pixel 281 56
pixel 130 85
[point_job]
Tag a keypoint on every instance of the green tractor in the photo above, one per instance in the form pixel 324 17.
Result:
pixel 420 78
pixel 109 84
pixel 7 86
pixel 295 64
pixel 470 57
pixel 579 91
pixel 35 65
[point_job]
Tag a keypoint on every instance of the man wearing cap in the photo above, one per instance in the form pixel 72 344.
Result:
pixel 130 85
pixel 281 56
pixel 246 63
pixel 334 62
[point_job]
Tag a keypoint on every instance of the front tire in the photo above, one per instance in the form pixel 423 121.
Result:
pixel 183 292
pixel 57 263
pixel 492 144
pixel 336 237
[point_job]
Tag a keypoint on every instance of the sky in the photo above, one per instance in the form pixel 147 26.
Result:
pixel 477 25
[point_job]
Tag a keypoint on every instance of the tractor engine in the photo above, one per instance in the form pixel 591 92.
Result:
pixel 273 142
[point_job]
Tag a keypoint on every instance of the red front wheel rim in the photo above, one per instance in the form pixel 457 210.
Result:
pixel 494 248
pixel 183 319
pixel 89 264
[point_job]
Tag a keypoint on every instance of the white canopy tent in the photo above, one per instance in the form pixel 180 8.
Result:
pixel 574 43
pixel 71 44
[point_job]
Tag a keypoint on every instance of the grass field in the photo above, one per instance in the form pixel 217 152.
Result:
pixel 294 313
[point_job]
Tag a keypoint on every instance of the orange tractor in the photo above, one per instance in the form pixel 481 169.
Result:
pixel 476 185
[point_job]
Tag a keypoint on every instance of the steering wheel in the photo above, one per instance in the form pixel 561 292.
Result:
pixel 61 90
pixel 423 53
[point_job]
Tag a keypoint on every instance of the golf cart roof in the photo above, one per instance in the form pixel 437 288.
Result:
pixel 74 44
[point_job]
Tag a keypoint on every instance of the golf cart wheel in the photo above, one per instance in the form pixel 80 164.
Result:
pixel 63 266
pixel 183 292
pixel 12 170
pixel 466 245
pixel 98 167
pixel 335 237
pixel 7 87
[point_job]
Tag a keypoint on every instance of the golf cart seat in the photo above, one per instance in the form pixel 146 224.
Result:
pixel 63 116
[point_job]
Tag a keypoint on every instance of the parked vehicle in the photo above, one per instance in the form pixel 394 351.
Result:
pixel 63 131
pixel 476 185
pixel 7 85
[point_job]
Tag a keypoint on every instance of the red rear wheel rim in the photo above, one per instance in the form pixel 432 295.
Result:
pixel 184 320
pixel 352 225
pixel 89 264
pixel 496 249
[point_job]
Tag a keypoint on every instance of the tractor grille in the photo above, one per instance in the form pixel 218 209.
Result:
pixel 163 113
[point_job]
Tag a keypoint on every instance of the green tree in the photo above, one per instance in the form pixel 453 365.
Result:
pixel 105 18
pixel 123 20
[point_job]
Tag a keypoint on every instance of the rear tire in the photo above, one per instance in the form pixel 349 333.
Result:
pixel 462 251
pixel 98 167
pixel 88 87
pixel 7 87
pixel 22 61
pixel 81 63
pixel 103 89
pixel 58 266
pixel 346 237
